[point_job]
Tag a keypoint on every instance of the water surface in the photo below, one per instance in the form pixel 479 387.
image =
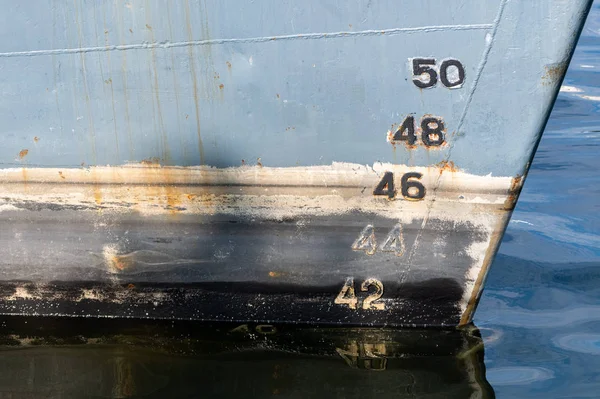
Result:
pixel 540 312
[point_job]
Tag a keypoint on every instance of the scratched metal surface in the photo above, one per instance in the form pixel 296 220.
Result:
pixel 147 144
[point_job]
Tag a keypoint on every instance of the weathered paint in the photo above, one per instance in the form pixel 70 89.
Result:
pixel 302 223
pixel 238 154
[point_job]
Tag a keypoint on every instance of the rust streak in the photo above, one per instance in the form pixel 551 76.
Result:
pixel 513 192
pixel 553 73
pixel 123 75
pixel 194 81
pixel 154 161
pixel 154 73
pixel 447 166
pixel 182 144
pixel 23 153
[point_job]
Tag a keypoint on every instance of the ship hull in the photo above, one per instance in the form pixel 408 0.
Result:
pixel 302 163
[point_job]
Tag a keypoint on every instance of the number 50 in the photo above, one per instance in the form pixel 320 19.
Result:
pixel 426 70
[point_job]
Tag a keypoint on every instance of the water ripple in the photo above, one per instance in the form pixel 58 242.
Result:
pixel 518 375
pixel 579 342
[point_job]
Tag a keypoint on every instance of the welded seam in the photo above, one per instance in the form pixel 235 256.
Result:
pixel 250 40
pixel 480 69
pixel 482 64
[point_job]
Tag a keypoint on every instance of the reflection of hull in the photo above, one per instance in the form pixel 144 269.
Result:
pixel 251 186
pixel 121 359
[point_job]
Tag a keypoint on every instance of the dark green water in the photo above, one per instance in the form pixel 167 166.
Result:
pixel 127 359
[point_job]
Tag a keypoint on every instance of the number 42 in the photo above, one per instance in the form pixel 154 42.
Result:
pixel 348 297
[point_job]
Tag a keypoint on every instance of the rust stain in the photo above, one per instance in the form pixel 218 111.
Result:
pixel 130 286
pixel 194 80
pixel 36 139
pixel 97 193
pixel 513 193
pixel 156 89
pixel 60 173
pixel 221 86
pixel 228 65
pixel 120 262
pixel 390 138
pixel 183 145
pixel 553 73
pixel 24 176
pixel 447 166
pixel 23 153
pixel 153 161
pixel 86 91
pixel 123 74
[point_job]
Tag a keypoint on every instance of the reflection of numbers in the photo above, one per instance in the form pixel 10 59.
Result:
pixel 432 131
pixel 426 71
pixel 348 297
pixel 410 188
pixel 394 242
pixel 364 356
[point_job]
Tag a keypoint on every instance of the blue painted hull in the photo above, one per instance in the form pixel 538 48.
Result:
pixel 318 163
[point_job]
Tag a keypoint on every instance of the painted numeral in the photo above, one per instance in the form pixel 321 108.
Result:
pixel 366 241
pixel 394 242
pixel 386 186
pixel 431 131
pixel 406 131
pixel 449 78
pixel 347 295
pixel 370 301
pixel 425 71
pixel 411 189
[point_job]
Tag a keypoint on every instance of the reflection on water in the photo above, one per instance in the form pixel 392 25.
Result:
pixel 125 359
